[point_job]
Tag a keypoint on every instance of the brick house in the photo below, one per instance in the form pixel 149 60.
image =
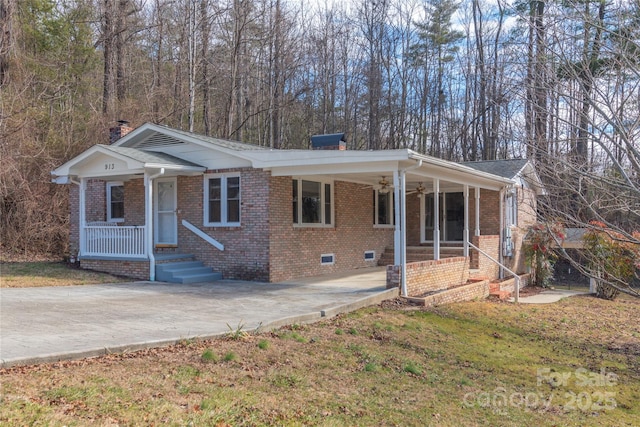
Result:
pixel 164 204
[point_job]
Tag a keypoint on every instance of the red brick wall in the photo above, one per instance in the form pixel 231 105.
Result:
pixel 96 209
pixel 134 202
pixel 246 248
pixel 429 276
pixel 491 246
pixel 134 269
pixel 413 219
pixel 470 292
pixel 295 251
pixel 489 213
pixel 95 200
pixel 510 284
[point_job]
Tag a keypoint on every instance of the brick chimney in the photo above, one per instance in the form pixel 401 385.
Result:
pixel 117 132
pixel 334 141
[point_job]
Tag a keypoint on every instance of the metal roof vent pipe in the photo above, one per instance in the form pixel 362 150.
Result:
pixel 117 132
pixel 334 141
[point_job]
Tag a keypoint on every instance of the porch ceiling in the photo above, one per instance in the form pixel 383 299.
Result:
pixel 368 168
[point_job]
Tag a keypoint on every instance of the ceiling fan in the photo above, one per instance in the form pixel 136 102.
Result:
pixel 420 190
pixel 384 186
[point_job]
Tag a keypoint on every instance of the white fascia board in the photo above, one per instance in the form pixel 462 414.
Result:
pixel 335 169
pixel 328 158
pixel 64 170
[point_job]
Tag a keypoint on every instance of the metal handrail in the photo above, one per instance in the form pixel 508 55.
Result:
pixel 517 278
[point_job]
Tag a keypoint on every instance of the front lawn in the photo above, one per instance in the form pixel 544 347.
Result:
pixel 576 362
pixel 49 273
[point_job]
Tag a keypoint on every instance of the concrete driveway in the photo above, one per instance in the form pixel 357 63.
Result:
pixel 56 323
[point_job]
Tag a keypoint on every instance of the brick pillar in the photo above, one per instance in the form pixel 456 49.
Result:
pixel 473 254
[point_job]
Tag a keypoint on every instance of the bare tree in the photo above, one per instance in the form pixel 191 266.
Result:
pixel 593 175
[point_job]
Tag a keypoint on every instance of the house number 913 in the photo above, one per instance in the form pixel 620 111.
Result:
pixel 109 166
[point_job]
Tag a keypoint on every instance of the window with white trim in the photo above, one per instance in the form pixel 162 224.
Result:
pixel 383 208
pixel 115 201
pixel 511 209
pixel 222 200
pixel 312 202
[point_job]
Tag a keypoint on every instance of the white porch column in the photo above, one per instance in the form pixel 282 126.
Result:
pixel 465 233
pixel 148 223
pixel 148 215
pixel 403 227
pixel 82 217
pixel 501 242
pixel 477 231
pixel 397 236
pixel 436 219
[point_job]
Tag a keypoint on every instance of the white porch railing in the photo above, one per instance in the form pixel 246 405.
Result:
pixel 116 241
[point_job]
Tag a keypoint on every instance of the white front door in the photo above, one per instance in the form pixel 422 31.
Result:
pixel 165 212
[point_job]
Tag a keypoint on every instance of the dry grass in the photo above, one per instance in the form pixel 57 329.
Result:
pixel 49 273
pixel 389 365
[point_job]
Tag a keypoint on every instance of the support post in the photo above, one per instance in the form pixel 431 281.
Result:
pixel 465 236
pixel 501 243
pixel 148 221
pixel 477 194
pixel 403 227
pixel 148 212
pixel 82 217
pixel 397 236
pixel 436 219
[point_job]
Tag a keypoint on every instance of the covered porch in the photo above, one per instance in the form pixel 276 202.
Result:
pixel 105 230
pixel 436 209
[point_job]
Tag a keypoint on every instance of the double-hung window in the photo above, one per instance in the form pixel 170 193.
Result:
pixel 115 202
pixel 222 200
pixel 312 203
pixel 383 208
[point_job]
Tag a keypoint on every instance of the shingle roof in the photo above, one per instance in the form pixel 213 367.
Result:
pixel 149 156
pixel 504 168
pixel 233 145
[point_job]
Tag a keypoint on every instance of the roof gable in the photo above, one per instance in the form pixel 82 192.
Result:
pixel 109 161
pixel 517 169
pixel 505 168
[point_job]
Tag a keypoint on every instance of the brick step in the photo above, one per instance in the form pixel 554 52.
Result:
pixel 501 295
pixel 494 287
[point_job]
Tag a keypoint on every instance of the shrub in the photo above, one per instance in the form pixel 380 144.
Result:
pixel 612 258
pixel 539 251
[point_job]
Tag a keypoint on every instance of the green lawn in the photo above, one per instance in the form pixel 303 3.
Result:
pixel 576 362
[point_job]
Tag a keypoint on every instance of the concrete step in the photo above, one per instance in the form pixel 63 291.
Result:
pixel 196 278
pixel 185 272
